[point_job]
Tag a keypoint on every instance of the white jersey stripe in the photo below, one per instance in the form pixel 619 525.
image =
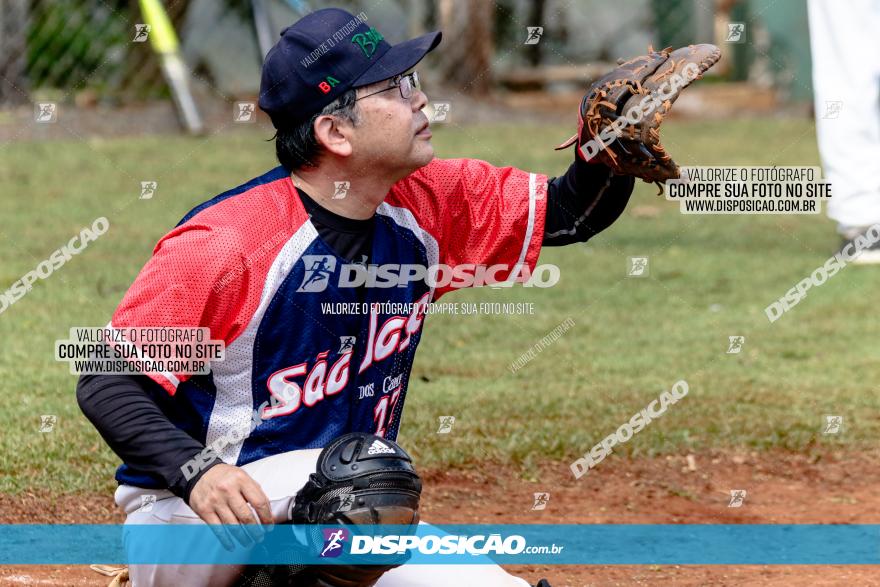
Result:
pixel 405 218
pixel 231 416
pixel 530 229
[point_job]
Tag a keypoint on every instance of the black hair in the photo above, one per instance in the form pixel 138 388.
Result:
pixel 296 146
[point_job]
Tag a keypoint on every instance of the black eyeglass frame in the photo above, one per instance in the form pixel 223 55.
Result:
pixel 413 85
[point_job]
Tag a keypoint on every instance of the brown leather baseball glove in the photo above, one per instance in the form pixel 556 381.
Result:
pixel 620 117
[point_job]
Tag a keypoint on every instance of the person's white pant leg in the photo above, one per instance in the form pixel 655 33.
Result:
pixel 483 575
pixel 281 477
pixel 450 575
pixel 845 45
pixel 162 512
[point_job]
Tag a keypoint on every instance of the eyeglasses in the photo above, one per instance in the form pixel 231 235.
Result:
pixel 406 83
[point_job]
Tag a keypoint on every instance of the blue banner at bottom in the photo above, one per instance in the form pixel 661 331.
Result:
pixel 600 544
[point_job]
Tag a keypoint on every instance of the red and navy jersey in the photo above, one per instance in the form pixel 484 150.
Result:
pixel 244 263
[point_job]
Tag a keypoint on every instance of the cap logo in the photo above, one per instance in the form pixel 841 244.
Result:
pixel 328 84
pixel 368 41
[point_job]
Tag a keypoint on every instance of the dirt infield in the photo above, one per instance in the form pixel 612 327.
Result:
pixel 781 488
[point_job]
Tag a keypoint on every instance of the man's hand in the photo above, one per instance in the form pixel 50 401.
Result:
pixel 225 495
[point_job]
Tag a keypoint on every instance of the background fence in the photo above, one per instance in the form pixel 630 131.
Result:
pixel 84 50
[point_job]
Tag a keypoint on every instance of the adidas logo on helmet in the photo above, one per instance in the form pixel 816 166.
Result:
pixel 378 448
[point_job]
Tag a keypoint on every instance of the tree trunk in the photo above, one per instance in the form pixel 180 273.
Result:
pixel 13 51
pixel 465 54
pixel 536 18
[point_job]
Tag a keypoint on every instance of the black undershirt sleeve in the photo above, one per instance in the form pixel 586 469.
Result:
pixel 123 409
pixel 584 202
pixel 126 408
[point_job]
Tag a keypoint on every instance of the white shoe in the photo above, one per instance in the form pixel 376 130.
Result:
pixel 867 256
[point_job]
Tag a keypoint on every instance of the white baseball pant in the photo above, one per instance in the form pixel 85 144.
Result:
pixel 845 46
pixel 281 476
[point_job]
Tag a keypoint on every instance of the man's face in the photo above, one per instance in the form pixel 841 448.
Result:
pixel 392 134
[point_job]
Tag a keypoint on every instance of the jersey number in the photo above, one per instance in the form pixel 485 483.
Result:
pixel 382 414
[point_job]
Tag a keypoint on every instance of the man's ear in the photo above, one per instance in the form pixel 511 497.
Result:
pixel 334 134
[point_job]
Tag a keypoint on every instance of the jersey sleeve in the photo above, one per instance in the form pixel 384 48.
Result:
pixel 480 215
pixel 193 279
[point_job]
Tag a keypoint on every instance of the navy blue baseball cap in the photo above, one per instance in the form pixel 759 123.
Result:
pixel 323 55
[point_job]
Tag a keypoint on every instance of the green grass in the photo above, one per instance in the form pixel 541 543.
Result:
pixel 710 277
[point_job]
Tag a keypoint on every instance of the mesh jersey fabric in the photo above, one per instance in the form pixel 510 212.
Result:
pixel 296 374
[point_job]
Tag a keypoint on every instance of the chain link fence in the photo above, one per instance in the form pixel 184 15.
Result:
pixel 85 48
pixel 84 52
pixel 76 49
